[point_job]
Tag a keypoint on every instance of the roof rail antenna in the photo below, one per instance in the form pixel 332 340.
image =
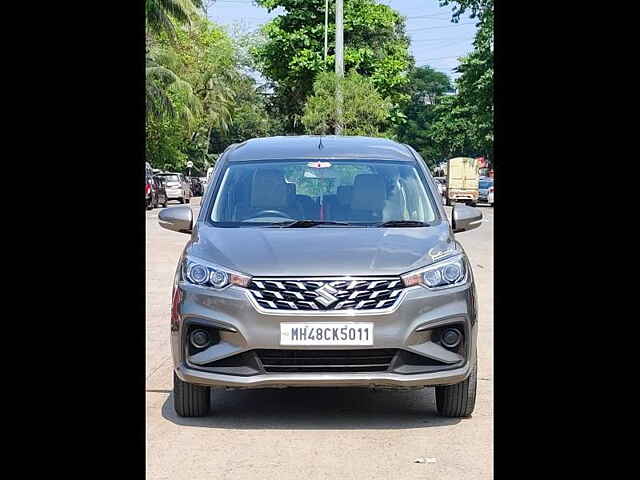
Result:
pixel 320 145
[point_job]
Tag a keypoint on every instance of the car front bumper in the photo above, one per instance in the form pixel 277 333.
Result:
pixel 283 380
pixel 412 327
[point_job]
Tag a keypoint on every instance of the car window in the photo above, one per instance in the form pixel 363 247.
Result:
pixel 171 178
pixel 355 192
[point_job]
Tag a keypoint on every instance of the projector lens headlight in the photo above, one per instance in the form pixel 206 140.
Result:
pixel 202 273
pixel 446 273
pixel 197 273
pixel 452 272
pixel 432 278
pixel 219 278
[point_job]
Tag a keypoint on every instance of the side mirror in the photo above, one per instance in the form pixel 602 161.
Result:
pixel 465 218
pixel 178 219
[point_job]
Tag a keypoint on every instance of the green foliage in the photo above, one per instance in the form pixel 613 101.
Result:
pixel 365 112
pixel 161 14
pixel 476 8
pixel 198 99
pixel 454 133
pixel 443 126
pixel 427 87
pixel 192 75
pixel 165 143
pixel 250 117
pixel 465 122
pixel 292 55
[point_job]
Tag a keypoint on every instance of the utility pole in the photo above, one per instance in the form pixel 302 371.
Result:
pixel 339 64
pixel 326 28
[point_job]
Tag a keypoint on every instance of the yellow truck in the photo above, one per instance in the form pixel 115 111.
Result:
pixel 462 181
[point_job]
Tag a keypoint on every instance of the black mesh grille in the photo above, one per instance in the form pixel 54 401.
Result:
pixel 306 361
pixel 326 294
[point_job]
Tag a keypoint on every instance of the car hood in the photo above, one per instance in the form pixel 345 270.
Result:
pixel 321 251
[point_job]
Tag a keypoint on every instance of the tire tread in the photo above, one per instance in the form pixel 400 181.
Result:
pixel 458 400
pixel 190 400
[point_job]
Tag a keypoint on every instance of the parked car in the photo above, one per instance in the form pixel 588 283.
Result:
pixel 161 191
pixel 490 195
pixel 484 185
pixel 341 271
pixel 177 187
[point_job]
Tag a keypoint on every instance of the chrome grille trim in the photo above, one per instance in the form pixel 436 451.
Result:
pixel 325 295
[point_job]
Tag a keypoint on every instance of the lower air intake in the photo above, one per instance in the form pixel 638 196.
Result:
pixel 307 361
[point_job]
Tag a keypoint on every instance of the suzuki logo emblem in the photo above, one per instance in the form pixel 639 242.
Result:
pixel 326 295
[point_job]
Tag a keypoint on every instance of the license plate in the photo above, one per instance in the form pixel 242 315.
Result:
pixel 326 333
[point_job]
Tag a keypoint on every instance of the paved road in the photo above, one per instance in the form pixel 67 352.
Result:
pixel 313 433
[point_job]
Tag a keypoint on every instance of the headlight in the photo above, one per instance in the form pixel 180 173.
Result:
pixel 199 272
pixel 444 274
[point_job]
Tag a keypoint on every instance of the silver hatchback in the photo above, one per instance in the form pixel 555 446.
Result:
pixel 177 187
pixel 323 262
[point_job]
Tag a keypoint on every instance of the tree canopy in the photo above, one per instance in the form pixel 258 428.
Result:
pixel 465 121
pixel 292 55
pixel 427 88
pixel 365 112
pixel 202 95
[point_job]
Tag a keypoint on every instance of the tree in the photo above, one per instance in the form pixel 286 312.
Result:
pixel 365 112
pixel 250 117
pixel 426 88
pixel 161 14
pixel 162 87
pixel 477 8
pixel 292 55
pixel 195 67
pixel 465 122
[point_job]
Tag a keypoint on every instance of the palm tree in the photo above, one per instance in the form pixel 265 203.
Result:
pixel 160 12
pixel 159 74
pixel 160 81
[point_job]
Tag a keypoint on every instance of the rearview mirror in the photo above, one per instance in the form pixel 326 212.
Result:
pixel 178 219
pixel 464 218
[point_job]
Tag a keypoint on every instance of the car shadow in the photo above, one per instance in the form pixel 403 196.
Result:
pixel 316 408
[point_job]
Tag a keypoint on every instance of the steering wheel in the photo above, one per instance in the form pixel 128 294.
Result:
pixel 273 212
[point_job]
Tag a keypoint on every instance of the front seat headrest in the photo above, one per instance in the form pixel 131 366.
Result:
pixel 369 192
pixel 268 190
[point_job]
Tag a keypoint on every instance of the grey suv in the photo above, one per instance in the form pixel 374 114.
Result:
pixel 323 261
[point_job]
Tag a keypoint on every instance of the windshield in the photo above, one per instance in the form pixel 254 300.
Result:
pixel 352 192
pixel 485 184
pixel 171 178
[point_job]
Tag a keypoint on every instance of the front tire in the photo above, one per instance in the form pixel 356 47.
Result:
pixel 458 400
pixel 190 400
pixel 181 199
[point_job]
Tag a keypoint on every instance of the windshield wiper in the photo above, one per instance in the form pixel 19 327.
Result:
pixel 403 223
pixel 306 223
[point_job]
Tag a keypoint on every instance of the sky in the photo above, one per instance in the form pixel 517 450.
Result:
pixel 435 40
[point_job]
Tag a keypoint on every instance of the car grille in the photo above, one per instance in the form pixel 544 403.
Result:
pixel 306 361
pixel 326 294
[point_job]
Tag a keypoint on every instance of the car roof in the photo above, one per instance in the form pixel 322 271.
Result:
pixel 318 147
